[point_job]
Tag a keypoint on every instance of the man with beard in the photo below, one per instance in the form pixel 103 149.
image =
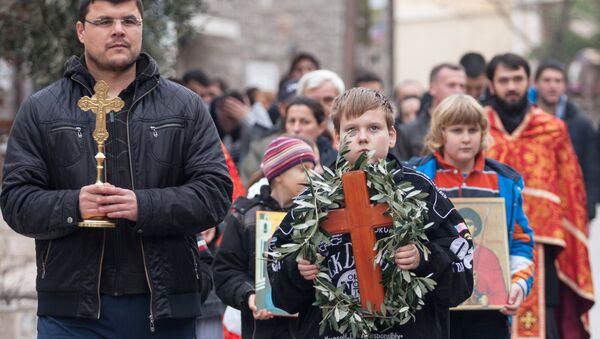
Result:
pixel 537 145
pixel 166 181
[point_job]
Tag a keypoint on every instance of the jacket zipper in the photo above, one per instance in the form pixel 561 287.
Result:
pixel 78 129
pixel 111 129
pixel 151 316
pixel 46 259
pixel 104 231
pixel 195 264
pixel 155 129
pixel 100 273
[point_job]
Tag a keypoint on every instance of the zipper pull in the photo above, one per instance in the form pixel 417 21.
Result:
pixel 154 131
pixel 79 132
pixel 196 270
pixel 112 116
pixel 152 328
pixel 43 270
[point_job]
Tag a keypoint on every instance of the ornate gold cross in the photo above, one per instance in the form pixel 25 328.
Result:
pixel 528 320
pixel 101 106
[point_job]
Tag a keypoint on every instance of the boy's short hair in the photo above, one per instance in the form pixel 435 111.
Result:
pixel 457 109
pixel 356 101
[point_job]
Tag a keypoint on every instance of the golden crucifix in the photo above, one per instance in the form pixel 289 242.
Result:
pixel 101 105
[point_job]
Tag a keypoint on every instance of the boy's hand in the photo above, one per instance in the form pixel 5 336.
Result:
pixel 258 314
pixel 407 257
pixel 515 299
pixel 307 270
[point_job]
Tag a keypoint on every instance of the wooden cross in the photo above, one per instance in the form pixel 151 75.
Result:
pixel 360 218
pixel 101 106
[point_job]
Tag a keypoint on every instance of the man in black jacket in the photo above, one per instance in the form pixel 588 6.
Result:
pixel 168 182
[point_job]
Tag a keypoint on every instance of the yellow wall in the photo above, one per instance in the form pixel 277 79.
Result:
pixel 429 32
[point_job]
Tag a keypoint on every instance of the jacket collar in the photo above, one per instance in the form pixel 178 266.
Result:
pixel 147 73
pixel 477 167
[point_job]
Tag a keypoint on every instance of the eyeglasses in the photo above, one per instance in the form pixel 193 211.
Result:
pixel 105 22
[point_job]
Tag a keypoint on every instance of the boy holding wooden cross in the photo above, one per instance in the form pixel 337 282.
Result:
pixel 364 119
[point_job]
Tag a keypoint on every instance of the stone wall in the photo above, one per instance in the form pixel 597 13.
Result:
pixel 17 285
pixel 238 37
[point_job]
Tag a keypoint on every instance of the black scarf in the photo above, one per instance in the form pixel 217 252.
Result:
pixel 511 114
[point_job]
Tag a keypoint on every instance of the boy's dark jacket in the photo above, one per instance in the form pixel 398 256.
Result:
pixel 452 273
pixel 234 263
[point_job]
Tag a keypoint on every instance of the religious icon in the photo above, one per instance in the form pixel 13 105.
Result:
pixel 486 220
pixel 101 105
pixel 266 224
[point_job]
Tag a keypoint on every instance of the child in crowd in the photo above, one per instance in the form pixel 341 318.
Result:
pixel 365 118
pixel 284 165
pixel 457 138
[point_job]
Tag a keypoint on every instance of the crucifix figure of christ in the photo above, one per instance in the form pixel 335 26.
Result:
pixel 360 218
pixel 100 105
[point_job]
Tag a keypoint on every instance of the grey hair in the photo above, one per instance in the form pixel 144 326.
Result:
pixel 317 78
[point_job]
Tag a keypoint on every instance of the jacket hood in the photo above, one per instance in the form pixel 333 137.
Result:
pixel 76 68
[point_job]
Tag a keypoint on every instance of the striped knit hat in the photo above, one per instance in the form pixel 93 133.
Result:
pixel 284 153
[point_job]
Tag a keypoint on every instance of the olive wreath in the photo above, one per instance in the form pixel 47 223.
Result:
pixel 403 290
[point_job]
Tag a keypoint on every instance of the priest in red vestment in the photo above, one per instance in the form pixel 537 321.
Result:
pixel 537 144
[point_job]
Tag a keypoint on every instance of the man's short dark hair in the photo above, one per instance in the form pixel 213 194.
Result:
pixel 436 70
pixel 508 60
pixel 221 83
pixel 550 64
pixel 84 6
pixel 197 76
pixel 474 64
pixel 367 77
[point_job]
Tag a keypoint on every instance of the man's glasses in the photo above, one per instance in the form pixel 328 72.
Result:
pixel 105 22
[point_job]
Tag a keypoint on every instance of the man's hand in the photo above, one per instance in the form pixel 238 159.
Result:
pixel 307 270
pixel 515 299
pixel 118 202
pixel 209 234
pixel 258 314
pixel 407 257
pixel 88 200
pixel 235 109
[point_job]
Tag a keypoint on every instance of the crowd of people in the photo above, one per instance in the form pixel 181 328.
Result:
pixel 190 161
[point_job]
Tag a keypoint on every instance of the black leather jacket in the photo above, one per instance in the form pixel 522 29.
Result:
pixel 178 174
